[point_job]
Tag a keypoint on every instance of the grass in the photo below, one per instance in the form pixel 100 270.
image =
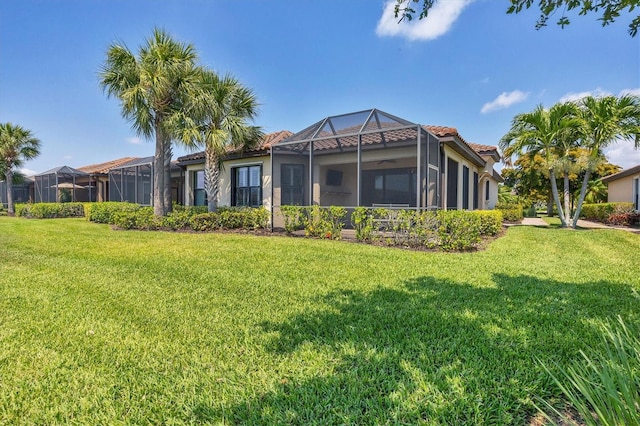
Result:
pixel 127 327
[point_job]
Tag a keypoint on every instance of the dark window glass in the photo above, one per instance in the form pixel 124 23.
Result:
pixel 475 191
pixel 452 184
pixel 247 188
pixel 486 191
pixel 292 184
pixel 465 187
pixel 199 194
pixel 389 186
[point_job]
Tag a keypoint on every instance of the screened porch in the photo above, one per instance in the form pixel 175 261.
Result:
pixel 367 158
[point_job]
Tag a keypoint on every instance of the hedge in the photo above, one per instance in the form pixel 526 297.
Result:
pixel 602 211
pixel 104 212
pixel 49 210
pixel 511 212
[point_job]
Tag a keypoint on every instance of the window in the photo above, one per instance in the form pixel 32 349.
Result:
pixel 475 191
pixel 465 187
pixel 486 191
pixel 199 194
pixel 389 186
pixel 452 184
pixel 247 186
pixel 292 184
pixel 636 193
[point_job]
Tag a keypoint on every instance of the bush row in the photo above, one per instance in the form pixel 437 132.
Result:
pixel 448 230
pixel 318 222
pixel 49 210
pixel 604 212
pixel 187 218
pixel 512 212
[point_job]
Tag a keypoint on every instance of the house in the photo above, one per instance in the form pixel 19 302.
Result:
pixel 98 177
pixel 624 186
pixel 366 158
pixel 22 192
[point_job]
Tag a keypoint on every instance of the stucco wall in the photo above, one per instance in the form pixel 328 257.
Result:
pixel 621 190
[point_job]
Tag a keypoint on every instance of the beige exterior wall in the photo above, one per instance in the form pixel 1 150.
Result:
pixel 224 196
pixel 621 190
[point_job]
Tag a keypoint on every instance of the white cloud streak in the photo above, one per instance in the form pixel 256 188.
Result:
pixel 440 20
pixel 27 172
pixel 623 154
pixel 572 97
pixel 504 100
pixel 134 140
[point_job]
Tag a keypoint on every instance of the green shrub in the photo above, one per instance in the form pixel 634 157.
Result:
pixel 459 230
pixel 604 385
pixel 511 212
pixel 49 210
pixel 293 217
pixel 231 218
pixel 602 211
pixel 490 221
pixel 103 212
pixel 531 212
pixel 362 220
pixel 143 219
pixel 205 222
pixel 180 217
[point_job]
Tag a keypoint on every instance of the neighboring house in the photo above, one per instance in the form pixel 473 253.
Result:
pixel 98 177
pixel 367 158
pixel 132 181
pixel 244 178
pixel 624 186
pixel 22 192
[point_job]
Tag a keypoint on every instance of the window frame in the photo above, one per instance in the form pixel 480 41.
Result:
pixel 235 189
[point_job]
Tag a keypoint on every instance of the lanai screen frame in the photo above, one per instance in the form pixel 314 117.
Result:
pixel 48 183
pixel 121 177
pixel 325 131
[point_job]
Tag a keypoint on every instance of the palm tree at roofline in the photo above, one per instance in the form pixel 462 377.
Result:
pixel 152 88
pixel 16 145
pixel 219 118
pixel 605 120
pixel 550 133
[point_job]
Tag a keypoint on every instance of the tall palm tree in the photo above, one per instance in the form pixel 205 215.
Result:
pixel 17 144
pixel 152 87
pixel 605 120
pixel 548 132
pixel 223 110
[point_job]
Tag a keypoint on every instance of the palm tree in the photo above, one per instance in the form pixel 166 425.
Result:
pixel 550 133
pixel 17 144
pixel 223 111
pixel 605 120
pixel 152 87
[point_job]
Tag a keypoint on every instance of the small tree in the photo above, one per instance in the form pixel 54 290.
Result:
pixel 17 145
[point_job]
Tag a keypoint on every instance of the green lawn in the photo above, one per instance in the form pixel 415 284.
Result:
pixel 125 327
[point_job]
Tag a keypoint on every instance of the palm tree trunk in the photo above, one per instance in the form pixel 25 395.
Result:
pixel 583 193
pixel 556 197
pixel 168 153
pixel 158 173
pixel 8 178
pixel 211 178
pixel 567 199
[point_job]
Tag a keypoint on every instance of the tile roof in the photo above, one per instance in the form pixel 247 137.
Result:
pixel 621 174
pixel 479 148
pixel 267 142
pixel 103 168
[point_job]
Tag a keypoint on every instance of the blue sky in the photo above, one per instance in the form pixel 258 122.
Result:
pixel 469 66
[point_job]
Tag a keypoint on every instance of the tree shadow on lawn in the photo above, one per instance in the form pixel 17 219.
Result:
pixel 432 351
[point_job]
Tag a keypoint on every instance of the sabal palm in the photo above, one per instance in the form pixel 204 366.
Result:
pixel 548 132
pixel 152 87
pixel 17 144
pixel 224 110
pixel 606 120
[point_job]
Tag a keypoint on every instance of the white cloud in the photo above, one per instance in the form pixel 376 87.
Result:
pixel 632 92
pixel 439 21
pixel 134 140
pixel 27 172
pixel 571 97
pixel 504 100
pixel 67 157
pixel 623 154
